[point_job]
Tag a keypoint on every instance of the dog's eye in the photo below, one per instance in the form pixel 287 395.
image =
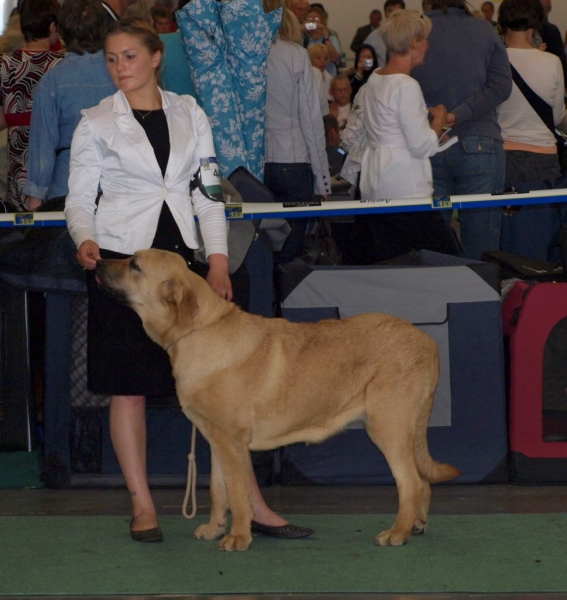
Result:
pixel 134 266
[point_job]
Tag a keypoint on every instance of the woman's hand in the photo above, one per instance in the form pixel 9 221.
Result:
pixel 218 277
pixel 439 114
pixel 450 119
pixel 88 254
pixel 32 203
pixel 321 30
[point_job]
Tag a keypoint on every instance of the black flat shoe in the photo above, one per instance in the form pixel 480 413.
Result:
pixel 283 532
pixel 146 535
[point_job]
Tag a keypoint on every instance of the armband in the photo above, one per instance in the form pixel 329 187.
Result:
pixel 207 179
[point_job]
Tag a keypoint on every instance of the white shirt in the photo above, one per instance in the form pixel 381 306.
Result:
pixel 519 122
pixel 344 112
pixel 111 148
pixel 396 163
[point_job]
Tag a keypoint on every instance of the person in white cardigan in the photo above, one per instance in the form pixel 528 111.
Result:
pixel 401 138
pixel 142 148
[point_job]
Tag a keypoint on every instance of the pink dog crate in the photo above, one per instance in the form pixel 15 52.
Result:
pixel 535 317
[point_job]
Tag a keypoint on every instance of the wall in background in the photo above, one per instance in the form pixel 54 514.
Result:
pixel 6 7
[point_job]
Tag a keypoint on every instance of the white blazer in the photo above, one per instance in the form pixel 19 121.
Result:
pixel 111 149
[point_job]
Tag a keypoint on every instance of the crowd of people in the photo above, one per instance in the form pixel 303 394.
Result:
pixel 467 69
pixel 439 103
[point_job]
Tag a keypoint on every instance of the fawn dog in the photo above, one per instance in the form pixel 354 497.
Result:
pixel 251 383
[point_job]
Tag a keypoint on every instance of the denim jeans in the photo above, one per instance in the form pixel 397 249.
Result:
pixel 474 165
pixel 291 182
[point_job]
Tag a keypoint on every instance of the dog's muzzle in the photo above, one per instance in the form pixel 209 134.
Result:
pixel 107 282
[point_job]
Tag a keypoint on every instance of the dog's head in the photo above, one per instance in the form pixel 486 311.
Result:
pixel 158 285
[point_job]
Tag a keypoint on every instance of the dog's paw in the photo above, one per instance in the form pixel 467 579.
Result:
pixel 419 527
pixel 391 538
pixel 210 531
pixel 230 543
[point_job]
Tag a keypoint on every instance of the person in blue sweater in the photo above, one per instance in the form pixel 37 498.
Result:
pixel 466 69
pixel 79 81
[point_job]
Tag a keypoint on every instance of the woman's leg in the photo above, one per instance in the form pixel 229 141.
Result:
pixel 262 512
pixel 128 434
pixel 267 522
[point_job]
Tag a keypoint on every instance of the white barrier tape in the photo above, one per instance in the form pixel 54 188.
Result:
pixel 331 208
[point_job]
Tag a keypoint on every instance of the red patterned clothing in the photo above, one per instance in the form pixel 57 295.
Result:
pixel 20 72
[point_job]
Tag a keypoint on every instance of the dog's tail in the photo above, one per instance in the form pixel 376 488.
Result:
pixel 431 470
pixel 435 472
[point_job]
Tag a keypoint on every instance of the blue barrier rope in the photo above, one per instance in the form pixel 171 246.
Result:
pixel 331 208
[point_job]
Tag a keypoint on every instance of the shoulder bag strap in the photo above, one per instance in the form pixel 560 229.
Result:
pixel 541 107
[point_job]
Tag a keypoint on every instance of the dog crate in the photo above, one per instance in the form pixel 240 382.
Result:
pixel 536 319
pixel 457 302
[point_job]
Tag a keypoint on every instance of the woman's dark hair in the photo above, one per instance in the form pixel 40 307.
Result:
pixel 36 17
pixel 321 7
pixel 140 29
pixel 444 5
pixel 81 25
pixel 520 15
pixel 367 74
pixel 160 12
pixel 389 3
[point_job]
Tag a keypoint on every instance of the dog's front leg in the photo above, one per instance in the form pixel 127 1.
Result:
pixel 219 505
pixel 236 466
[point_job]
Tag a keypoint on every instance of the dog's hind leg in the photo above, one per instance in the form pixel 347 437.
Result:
pixel 219 505
pixel 420 524
pixel 429 470
pixel 397 446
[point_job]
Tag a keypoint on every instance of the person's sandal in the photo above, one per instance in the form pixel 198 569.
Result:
pixel 146 535
pixel 283 532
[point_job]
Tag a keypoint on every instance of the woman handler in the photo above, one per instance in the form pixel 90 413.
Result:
pixel 142 147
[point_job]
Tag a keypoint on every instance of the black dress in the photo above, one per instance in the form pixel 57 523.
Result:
pixel 121 358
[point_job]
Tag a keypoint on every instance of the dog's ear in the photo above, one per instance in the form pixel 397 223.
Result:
pixel 177 293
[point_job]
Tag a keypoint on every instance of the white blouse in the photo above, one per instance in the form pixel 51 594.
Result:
pixel 396 162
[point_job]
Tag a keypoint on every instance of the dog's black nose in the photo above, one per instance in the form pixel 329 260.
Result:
pixel 99 270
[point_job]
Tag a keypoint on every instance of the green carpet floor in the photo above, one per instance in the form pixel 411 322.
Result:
pixel 460 553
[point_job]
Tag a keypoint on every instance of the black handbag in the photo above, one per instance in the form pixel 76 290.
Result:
pixel 249 187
